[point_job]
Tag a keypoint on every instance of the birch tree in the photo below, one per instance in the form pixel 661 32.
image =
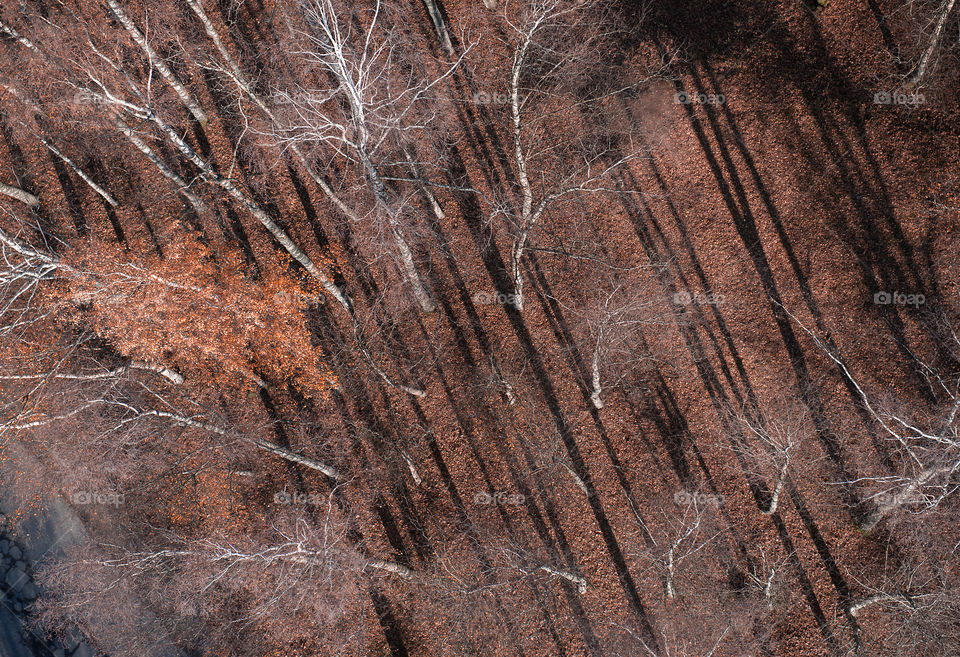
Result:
pixel 128 104
pixel 684 531
pixel 908 603
pixel 157 62
pixel 772 444
pixel 367 111
pixel 297 582
pixel 621 324
pixel 926 442
pixel 554 47
pixel 105 80
pixel 931 38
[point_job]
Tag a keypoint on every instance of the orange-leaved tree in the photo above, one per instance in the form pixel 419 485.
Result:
pixel 197 312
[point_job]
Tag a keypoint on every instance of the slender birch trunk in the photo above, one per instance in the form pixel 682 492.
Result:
pixel 21 195
pixel 921 69
pixel 423 297
pixel 157 62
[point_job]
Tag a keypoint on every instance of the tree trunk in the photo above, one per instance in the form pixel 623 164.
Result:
pixel 157 62
pixel 921 68
pixel 80 172
pixel 181 184
pixel 241 81
pixel 777 489
pixel 576 580
pixel 213 176
pixel 423 297
pixel 595 394
pixel 858 606
pixel 668 584
pixel 20 195
pixel 526 215
pixel 418 174
pixel 265 445
pixel 392 567
pixel 901 498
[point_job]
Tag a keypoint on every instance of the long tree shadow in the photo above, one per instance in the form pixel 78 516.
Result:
pixel 498 274
pixel 802 280
pixel 879 242
pixel 738 205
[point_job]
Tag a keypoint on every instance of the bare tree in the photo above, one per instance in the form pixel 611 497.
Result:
pixel 773 442
pixel 156 61
pixel 367 110
pixel 117 411
pixel 931 38
pixel 766 576
pixel 128 104
pixel 908 603
pixel 713 629
pixel 224 63
pixel 622 323
pixel 292 579
pixel 685 530
pixel 926 443
pixel 554 48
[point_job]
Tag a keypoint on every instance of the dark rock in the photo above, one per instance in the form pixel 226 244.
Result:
pixel 16 578
pixel 29 591
pixel 83 650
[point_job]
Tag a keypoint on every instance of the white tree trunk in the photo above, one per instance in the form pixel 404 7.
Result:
pixel 595 394
pixel 860 605
pixel 668 583
pixel 904 496
pixel 412 467
pixel 418 174
pixel 392 567
pixel 527 215
pixel 80 172
pixel 931 49
pixel 241 81
pixel 174 377
pixel 20 195
pixel 158 162
pixel 420 293
pixel 576 580
pixel 777 489
pixel 211 175
pixel 157 62
pixel 260 443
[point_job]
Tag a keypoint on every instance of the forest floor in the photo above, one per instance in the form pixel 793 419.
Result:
pixel 786 187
